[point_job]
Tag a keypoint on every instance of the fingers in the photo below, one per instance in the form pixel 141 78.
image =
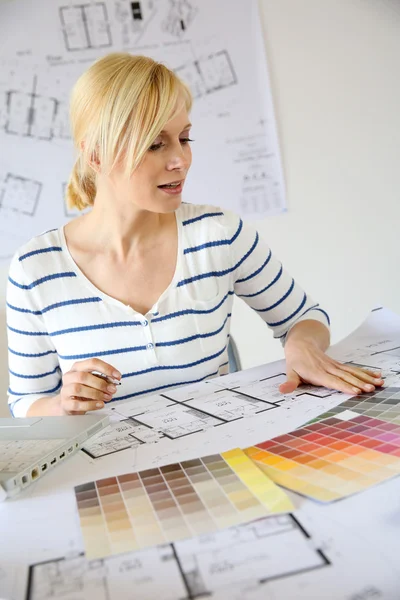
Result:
pixel 82 391
pixel 292 383
pixel 78 390
pixel 337 382
pixel 353 381
pixel 319 369
pixel 363 379
pixel 364 375
pixel 85 379
pixel 95 364
pixel 79 406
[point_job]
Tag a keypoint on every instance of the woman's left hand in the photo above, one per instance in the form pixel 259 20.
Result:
pixel 307 363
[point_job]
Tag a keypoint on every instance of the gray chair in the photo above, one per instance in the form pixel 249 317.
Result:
pixel 233 356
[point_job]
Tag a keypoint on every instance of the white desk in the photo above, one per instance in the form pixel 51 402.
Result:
pixel 353 545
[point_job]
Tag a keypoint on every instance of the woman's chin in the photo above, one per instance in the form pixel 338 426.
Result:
pixel 170 204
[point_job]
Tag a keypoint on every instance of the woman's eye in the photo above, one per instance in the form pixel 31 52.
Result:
pixel 154 147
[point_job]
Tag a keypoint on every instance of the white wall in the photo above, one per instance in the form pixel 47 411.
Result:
pixel 334 68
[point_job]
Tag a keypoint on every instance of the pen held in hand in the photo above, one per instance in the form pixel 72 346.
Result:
pixel 106 377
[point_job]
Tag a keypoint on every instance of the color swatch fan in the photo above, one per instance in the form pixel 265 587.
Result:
pixel 344 451
pixel 132 511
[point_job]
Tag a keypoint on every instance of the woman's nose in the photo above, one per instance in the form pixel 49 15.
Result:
pixel 179 160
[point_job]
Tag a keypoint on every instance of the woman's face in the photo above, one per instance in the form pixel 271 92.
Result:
pixel 156 185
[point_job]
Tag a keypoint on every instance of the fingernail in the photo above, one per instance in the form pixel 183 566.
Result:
pixel 112 389
pixel 356 390
pixel 107 396
pixel 370 388
pixel 117 374
pixel 99 404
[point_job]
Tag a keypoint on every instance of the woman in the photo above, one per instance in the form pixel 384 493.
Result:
pixel 140 288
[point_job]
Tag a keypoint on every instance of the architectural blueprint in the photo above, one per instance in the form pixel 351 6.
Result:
pixel 299 555
pixel 267 549
pixel 196 409
pixel 233 117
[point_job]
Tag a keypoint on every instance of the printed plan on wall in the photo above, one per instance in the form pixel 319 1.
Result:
pixel 216 47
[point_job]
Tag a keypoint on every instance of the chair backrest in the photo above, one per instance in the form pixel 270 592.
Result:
pixel 233 356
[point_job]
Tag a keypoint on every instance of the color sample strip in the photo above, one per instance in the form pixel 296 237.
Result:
pixel 271 497
pixel 344 451
pixel 92 520
pixel 160 505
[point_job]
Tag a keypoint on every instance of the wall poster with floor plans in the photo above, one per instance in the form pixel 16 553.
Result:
pixel 225 67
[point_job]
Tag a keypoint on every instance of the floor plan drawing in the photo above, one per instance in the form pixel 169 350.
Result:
pixel 179 17
pixel 19 195
pixel 33 103
pixel 208 74
pixel 20 198
pixel 132 19
pixel 183 412
pixel 267 549
pixel 85 26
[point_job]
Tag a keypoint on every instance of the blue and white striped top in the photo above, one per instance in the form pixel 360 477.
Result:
pixel 56 316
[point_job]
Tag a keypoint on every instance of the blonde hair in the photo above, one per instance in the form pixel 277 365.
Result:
pixel 118 108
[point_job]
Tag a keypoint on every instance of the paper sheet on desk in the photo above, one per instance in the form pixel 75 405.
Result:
pixel 239 409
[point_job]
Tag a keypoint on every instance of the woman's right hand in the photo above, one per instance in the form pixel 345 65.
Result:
pixel 82 391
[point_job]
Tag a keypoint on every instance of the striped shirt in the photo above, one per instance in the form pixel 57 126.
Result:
pixel 56 316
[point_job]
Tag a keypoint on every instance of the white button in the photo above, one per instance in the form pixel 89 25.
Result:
pixel 145 323
pixel 150 346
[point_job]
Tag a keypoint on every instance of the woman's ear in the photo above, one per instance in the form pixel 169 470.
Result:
pixel 94 162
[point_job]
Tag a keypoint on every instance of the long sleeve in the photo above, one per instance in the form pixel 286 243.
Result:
pixel 262 282
pixel 34 370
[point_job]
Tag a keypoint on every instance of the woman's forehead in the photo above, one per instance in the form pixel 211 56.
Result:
pixel 179 120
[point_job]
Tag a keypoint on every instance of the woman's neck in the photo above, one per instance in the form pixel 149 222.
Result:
pixel 121 231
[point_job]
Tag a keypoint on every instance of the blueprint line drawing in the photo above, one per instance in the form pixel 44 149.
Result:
pixel 180 15
pixel 29 113
pixel 190 410
pixel 20 195
pixel 265 550
pixel 28 109
pixel 133 18
pixel 209 74
pixel 85 26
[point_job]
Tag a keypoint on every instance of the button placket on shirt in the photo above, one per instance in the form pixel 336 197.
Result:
pixel 150 344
